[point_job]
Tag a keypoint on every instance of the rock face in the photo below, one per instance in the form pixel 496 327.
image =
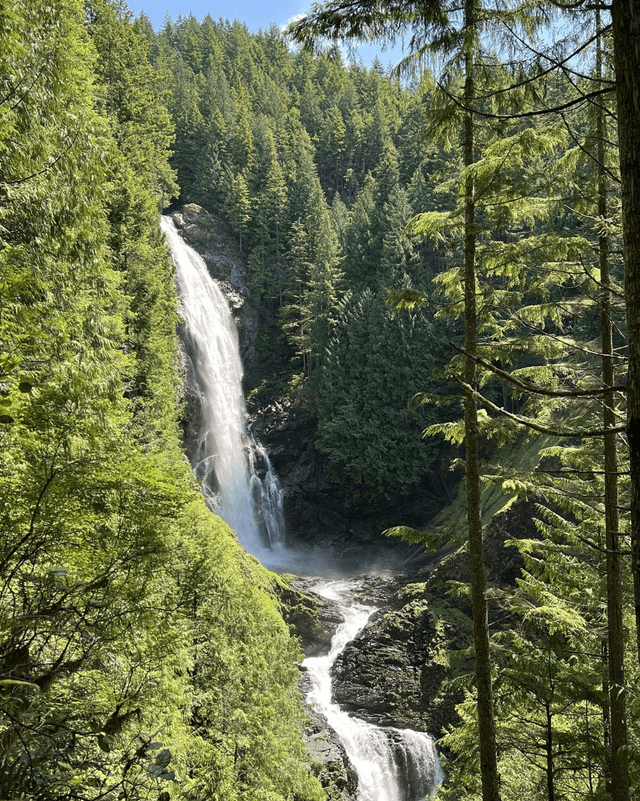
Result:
pixel 392 674
pixel 321 511
pixel 314 620
pixel 398 670
pixel 311 618
pixel 389 674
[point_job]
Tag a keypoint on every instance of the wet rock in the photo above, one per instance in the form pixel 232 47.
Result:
pixel 312 619
pixel 322 513
pixel 397 671
pixel 390 673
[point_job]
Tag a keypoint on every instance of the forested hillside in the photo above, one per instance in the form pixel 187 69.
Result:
pixel 542 228
pixel 377 219
pixel 363 206
pixel 317 167
pixel 142 654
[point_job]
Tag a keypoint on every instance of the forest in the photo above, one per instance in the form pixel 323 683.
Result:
pixel 443 261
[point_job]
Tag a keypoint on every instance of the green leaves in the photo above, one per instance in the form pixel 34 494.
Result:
pixel 158 768
pixel 400 300
pixel 101 620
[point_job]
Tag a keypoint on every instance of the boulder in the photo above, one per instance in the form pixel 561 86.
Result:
pixel 397 671
pixel 391 674
pixel 310 617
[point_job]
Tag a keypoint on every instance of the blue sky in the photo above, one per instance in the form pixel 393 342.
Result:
pixel 255 14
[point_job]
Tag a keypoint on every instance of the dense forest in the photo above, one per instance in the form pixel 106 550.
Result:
pixel 438 259
pixel 317 169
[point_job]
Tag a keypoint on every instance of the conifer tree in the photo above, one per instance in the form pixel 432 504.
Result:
pixel 237 202
pixel 626 38
pixel 366 23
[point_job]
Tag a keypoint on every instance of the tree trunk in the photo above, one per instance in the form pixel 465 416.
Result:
pixel 625 16
pixel 488 758
pixel 551 794
pixel 615 626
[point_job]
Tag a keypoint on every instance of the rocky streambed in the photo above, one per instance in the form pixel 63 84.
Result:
pixel 371 757
pixel 408 666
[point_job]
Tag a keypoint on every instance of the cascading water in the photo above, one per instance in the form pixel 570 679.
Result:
pixel 226 458
pixel 240 485
pixel 392 764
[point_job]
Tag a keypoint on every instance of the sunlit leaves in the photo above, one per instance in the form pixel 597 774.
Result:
pixel 99 512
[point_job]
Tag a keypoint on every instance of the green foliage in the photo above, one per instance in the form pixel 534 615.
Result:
pixel 247 724
pixel 142 654
pixel 373 364
pixel 141 651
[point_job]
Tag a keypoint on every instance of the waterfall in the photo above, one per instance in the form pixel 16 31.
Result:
pixel 240 485
pixel 392 764
pixel 234 471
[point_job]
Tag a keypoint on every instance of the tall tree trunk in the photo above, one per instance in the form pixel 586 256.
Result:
pixel 615 627
pixel 625 15
pixel 551 793
pixel 488 758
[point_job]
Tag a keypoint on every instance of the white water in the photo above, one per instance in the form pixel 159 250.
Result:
pixel 392 764
pixel 226 458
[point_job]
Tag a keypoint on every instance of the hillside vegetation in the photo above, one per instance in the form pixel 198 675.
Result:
pixel 381 219
pixel 427 253
pixel 142 653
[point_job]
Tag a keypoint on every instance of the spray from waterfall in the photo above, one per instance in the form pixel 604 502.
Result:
pixel 240 485
pixel 234 472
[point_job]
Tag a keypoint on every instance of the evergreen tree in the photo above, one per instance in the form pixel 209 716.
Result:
pixel 373 363
pixel 238 203
pixel 106 590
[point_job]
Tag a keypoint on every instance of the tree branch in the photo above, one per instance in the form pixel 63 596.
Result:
pixel 538 390
pixel 528 423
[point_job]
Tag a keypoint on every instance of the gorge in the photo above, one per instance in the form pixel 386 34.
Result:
pixel 391 764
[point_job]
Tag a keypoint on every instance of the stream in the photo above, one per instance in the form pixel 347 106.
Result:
pixel 392 764
pixel 239 484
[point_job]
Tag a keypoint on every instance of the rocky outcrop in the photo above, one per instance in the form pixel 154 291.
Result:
pixel 392 673
pixel 398 671
pixel 310 617
pixel 314 620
